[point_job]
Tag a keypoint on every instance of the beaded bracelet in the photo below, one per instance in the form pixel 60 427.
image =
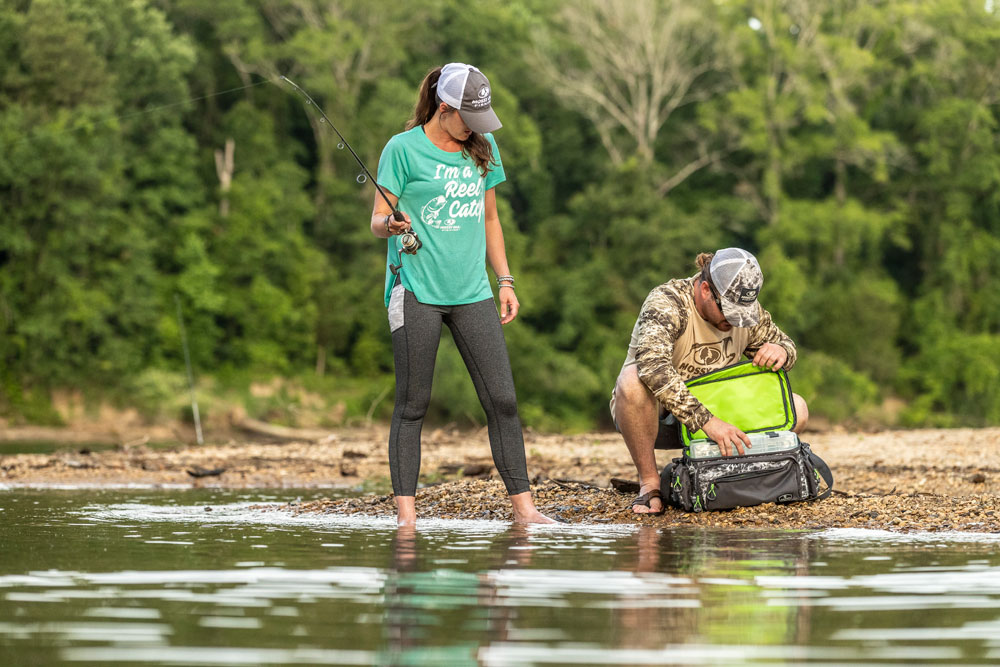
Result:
pixel 502 279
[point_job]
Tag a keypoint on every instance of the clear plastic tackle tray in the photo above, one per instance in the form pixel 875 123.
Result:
pixel 761 443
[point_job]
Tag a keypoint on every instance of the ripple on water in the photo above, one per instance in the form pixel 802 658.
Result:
pixel 213 655
pixel 541 608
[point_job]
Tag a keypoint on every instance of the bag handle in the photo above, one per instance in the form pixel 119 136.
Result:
pixel 820 466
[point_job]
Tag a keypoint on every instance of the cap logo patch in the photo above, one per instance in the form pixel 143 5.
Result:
pixel 748 294
pixel 482 98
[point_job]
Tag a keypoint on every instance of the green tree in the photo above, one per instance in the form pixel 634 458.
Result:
pixel 79 277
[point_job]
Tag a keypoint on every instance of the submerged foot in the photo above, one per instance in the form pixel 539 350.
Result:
pixel 532 517
pixel 406 511
pixel 525 511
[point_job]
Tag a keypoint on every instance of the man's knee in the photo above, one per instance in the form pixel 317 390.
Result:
pixel 801 412
pixel 629 389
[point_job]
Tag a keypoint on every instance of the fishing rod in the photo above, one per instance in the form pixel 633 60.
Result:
pixel 408 239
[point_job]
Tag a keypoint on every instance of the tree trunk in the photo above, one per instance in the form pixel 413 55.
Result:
pixel 224 165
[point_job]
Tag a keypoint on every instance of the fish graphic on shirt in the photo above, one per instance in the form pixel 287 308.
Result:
pixel 432 209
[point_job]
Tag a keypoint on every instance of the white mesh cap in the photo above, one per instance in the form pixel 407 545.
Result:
pixel 738 279
pixel 465 88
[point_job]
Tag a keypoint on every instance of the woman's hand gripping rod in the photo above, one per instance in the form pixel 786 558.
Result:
pixel 408 239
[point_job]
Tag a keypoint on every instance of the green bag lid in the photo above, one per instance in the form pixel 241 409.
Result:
pixel 750 398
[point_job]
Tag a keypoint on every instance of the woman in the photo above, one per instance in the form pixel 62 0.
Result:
pixel 441 174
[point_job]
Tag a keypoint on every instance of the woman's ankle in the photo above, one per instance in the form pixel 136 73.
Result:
pixel 406 511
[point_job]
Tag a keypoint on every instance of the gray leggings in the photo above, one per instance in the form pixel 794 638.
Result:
pixel 416 332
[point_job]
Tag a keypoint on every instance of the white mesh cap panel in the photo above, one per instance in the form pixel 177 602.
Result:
pixel 726 265
pixel 451 85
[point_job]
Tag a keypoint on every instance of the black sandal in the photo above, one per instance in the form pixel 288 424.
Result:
pixel 644 501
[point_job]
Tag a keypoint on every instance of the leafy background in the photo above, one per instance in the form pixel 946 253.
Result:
pixel 853 145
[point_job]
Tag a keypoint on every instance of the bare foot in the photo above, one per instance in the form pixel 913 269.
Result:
pixel 532 517
pixel 525 510
pixel 655 504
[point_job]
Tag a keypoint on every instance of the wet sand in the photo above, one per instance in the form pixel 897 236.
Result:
pixel 895 480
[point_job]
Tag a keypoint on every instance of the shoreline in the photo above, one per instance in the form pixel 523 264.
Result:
pixel 927 480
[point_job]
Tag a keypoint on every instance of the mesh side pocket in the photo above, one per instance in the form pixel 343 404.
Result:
pixel 396 308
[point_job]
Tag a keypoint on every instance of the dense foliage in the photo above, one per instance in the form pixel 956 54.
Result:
pixel 853 145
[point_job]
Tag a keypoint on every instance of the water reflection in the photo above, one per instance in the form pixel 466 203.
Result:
pixel 145 580
pixel 420 601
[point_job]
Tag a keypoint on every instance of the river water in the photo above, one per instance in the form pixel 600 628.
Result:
pixel 201 578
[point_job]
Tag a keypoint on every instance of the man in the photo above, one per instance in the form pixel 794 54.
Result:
pixel 686 328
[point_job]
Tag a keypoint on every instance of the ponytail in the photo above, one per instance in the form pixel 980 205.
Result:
pixel 704 262
pixel 427 103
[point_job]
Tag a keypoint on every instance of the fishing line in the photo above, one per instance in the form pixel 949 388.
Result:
pixel 408 239
pixel 193 99
pixel 133 114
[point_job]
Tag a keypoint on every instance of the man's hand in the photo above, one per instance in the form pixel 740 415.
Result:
pixel 770 356
pixel 726 436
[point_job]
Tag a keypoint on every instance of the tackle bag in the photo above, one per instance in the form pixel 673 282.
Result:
pixel 783 469
pixel 777 468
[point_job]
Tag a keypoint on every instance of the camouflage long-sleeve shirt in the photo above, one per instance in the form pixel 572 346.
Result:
pixel 671 343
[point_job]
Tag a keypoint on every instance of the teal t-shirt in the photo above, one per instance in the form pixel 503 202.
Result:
pixel 444 194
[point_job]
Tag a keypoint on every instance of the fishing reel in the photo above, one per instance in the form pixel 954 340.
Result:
pixel 410 241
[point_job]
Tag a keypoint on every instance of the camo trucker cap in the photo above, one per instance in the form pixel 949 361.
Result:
pixel 465 88
pixel 738 279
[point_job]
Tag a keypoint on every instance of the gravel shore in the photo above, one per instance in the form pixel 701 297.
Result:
pixel 896 480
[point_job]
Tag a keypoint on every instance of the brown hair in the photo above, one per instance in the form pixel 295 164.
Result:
pixel 704 262
pixel 476 146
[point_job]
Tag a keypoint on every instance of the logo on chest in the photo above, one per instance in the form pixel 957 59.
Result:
pixel 704 357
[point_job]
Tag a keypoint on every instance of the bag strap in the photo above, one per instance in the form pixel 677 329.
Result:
pixel 820 466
